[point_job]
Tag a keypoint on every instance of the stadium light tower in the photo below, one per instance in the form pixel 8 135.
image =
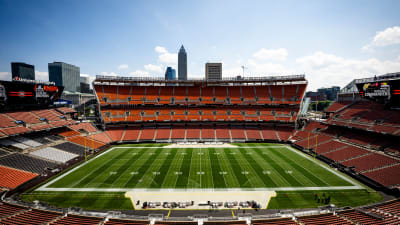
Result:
pixel 243 67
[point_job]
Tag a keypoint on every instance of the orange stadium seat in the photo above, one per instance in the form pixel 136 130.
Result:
pixel 248 93
pixel 208 114
pixel 263 95
pixel 253 133
pixel 193 94
pixel 163 133
pixel 147 133
pixel 236 114
pixel 276 92
pixel 207 132
pixel 235 94
pixel 207 95
pixel 179 114
pixel 178 132
pixel 180 94
pixel 193 132
pixel 237 132
pixel 193 114
pixel 222 132
pixel 115 133
pixel 12 178
pixel 131 134
pixel 268 133
pixel 100 93
pixel 137 94
pixel 166 94
pixel 220 94
pixel 152 94
pixel 124 94
pixel 165 115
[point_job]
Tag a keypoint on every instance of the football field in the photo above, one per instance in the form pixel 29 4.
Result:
pixel 152 167
pixel 273 166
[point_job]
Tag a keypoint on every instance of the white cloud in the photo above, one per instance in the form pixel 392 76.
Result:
pixel 325 70
pixel 140 73
pixel 279 54
pixel 168 58
pixel 43 76
pixel 160 49
pixel 153 68
pixel 389 36
pixel 109 74
pixel 123 66
pixel 5 76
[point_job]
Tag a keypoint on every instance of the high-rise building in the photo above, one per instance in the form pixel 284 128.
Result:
pixel 170 74
pixel 21 70
pixel 85 84
pixel 182 64
pixel 66 75
pixel 213 71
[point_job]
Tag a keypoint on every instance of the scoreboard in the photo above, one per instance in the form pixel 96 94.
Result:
pixel 28 93
pixel 383 91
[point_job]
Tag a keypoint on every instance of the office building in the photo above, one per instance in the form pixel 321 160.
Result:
pixel 182 64
pixel 170 74
pixel 66 75
pixel 21 70
pixel 85 84
pixel 213 71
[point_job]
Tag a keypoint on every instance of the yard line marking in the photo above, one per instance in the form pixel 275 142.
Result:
pixel 327 168
pixel 202 189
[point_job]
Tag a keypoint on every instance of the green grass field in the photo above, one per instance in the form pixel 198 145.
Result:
pixel 295 176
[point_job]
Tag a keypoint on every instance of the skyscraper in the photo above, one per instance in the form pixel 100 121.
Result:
pixel 66 75
pixel 170 74
pixel 213 71
pixel 182 64
pixel 22 71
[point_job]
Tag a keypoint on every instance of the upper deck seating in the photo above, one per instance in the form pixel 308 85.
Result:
pixel 207 95
pixel 124 94
pixel 220 94
pixel 138 94
pixel 166 94
pixel 235 94
pixel 180 95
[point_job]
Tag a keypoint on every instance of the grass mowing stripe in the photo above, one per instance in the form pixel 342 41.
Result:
pixel 99 171
pixel 266 178
pixel 218 177
pixel 293 172
pixel 268 168
pixel 194 180
pixel 183 179
pixel 139 157
pixel 250 173
pixel 174 170
pixel 153 170
pixel 281 171
pixel 142 169
pixel 121 169
pixel 208 180
pixel 230 178
pixel 243 179
pixel 304 171
pixel 159 179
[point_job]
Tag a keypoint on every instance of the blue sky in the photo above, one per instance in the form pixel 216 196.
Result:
pixel 332 42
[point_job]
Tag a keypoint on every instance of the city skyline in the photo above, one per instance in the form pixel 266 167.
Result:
pixel 338 40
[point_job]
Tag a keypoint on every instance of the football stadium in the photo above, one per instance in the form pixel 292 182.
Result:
pixel 237 150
